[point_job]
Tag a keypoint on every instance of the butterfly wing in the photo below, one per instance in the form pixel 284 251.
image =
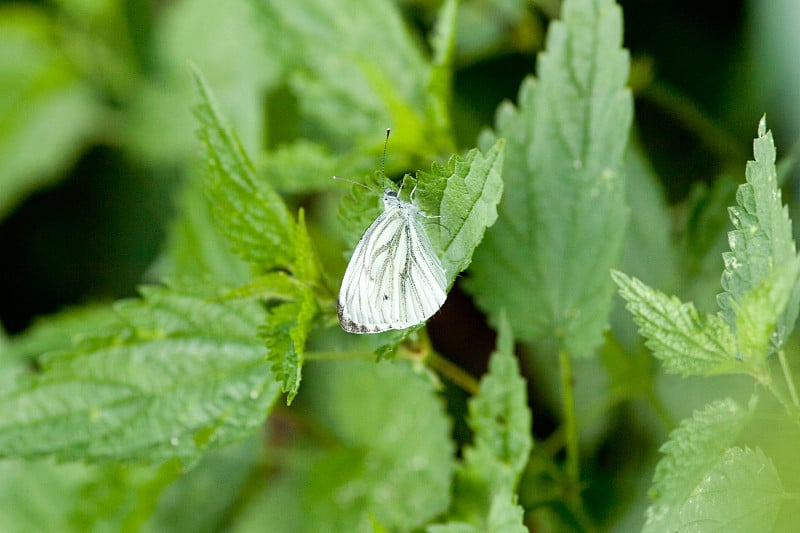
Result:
pixel 394 279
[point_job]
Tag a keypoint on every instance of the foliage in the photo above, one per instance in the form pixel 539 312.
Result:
pixel 152 399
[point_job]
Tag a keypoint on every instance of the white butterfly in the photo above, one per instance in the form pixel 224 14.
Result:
pixel 394 279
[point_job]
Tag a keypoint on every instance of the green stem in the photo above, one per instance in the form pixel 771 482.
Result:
pixel 453 372
pixel 787 375
pixel 570 421
pixel 693 118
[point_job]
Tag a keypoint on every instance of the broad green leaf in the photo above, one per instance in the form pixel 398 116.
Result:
pixel 500 419
pixel 58 331
pixel 762 241
pixel 353 67
pixel 47 112
pixel 741 492
pixel 247 211
pixel 393 464
pixel 181 374
pixel 563 218
pixel 686 341
pixel 690 455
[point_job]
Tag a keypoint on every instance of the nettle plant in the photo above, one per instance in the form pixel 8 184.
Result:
pixel 227 397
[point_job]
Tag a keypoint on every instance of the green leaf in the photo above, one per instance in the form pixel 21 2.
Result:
pixel 505 516
pixel 501 424
pixel 464 193
pixel 377 471
pixel 58 331
pixel 562 221
pixel 440 83
pixel 39 495
pixel 352 67
pixel 500 419
pixel 195 248
pixel 686 341
pixel 762 241
pixel 761 309
pixel 248 212
pixel 690 455
pixel 214 486
pixel 182 373
pixel 288 324
pixel 740 493
pixel 47 112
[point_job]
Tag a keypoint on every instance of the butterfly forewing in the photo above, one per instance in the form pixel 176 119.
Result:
pixel 394 279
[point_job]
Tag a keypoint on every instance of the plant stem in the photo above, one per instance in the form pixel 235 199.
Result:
pixel 453 372
pixel 570 421
pixel 787 375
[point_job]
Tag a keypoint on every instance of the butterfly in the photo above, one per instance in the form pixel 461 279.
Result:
pixel 394 279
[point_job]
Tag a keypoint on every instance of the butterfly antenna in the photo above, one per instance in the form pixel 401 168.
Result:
pixel 383 158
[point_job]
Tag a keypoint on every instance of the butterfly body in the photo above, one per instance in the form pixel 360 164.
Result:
pixel 394 279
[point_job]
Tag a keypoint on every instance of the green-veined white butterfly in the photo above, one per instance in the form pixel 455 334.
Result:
pixel 394 279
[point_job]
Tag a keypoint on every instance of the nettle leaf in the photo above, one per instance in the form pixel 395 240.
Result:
pixel 760 311
pixel 182 373
pixel 762 241
pixel 505 516
pixel 195 247
pixel 248 212
pixel 47 112
pixel 288 324
pixel 691 456
pixel 377 473
pixel 501 423
pixel 260 228
pixel 563 218
pixel 741 492
pixel 351 65
pixel 468 190
pixel 500 419
pixel 686 341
